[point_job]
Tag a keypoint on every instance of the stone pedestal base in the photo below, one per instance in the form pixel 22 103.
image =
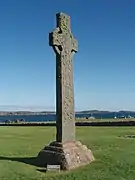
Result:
pixel 68 155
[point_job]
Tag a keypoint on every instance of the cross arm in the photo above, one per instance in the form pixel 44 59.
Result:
pixel 55 37
pixel 74 45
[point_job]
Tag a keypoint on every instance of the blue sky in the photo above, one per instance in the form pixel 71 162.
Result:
pixel 104 67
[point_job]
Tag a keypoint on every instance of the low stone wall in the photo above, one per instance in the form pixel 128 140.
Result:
pixel 107 123
pixel 102 123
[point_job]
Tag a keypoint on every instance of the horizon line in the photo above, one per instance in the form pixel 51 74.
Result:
pixel 47 111
pixel 43 108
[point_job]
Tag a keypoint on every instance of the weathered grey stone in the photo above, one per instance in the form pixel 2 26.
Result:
pixel 64 45
pixel 65 151
pixel 69 156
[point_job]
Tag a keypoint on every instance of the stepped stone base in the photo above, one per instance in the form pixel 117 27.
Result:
pixel 68 155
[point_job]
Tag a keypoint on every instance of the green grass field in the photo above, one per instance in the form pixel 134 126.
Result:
pixel 115 155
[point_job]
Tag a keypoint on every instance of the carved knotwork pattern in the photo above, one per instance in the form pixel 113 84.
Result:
pixel 68 91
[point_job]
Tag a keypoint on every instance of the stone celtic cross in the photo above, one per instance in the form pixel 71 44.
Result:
pixel 64 45
pixel 65 151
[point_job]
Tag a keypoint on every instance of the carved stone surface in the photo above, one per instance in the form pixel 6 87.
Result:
pixel 68 155
pixel 64 45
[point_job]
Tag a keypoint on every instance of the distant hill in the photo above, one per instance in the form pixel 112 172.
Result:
pixel 87 112
pixel 92 111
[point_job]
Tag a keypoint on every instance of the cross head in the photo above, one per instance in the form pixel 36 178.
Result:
pixel 61 39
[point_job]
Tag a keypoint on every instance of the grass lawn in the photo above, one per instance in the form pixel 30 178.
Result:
pixel 115 155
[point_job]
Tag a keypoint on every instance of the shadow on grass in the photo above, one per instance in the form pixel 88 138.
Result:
pixel 26 160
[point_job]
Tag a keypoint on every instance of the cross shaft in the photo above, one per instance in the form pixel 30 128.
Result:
pixel 64 44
